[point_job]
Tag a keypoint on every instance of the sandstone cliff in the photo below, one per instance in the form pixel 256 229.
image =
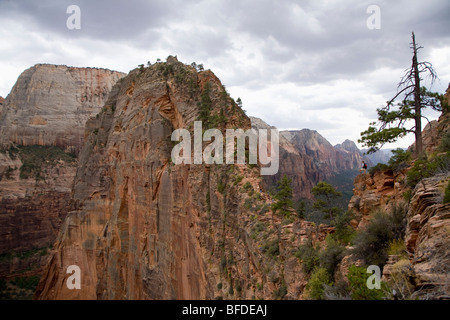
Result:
pixel 144 228
pixel 380 190
pixel 428 238
pixel 49 105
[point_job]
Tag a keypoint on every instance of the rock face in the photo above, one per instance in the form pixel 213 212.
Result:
pixel 311 143
pixel 348 156
pixel 427 238
pixel 329 160
pixel 307 158
pixel 298 166
pixel 142 227
pixel 49 105
pixel 382 190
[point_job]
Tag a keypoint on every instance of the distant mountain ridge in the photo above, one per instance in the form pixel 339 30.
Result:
pixel 307 158
pixel 381 156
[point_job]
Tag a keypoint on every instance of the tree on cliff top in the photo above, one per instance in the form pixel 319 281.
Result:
pixel 393 118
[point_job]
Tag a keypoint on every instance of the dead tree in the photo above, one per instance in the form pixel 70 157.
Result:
pixel 392 118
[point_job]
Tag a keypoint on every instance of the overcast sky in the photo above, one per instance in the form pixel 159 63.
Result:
pixel 295 64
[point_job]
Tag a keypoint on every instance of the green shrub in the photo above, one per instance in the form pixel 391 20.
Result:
pixel 271 248
pixel 309 256
pixel 399 160
pixel 402 273
pixel 357 278
pixel 397 216
pixel 424 168
pixel 344 232
pixel 315 286
pixel 330 257
pixel 221 186
pixel 35 156
pixel 238 180
pixel 29 283
pixel 247 186
pixel 397 247
pixel 281 291
pixel 447 194
pixel 407 195
pixel 444 146
pixel 259 286
pixel 248 203
pixel 378 167
pixel 337 291
pixel 265 208
pixel 205 106
pixel 259 226
pixel 372 243
pixel 8 173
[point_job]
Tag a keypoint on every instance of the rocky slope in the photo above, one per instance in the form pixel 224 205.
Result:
pixel 424 273
pixel 378 191
pixel 428 238
pixel 49 105
pixel 144 228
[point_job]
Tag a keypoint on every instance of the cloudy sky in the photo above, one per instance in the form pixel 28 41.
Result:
pixel 295 64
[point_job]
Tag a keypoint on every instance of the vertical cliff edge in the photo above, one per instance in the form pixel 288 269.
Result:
pixel 141 227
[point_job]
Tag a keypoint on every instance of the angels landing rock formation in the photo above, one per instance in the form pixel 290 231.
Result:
pixel 49 105
pixel 143 228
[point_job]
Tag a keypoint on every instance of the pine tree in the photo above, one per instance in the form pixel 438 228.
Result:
pixel 393 118
pixel 283 197
pixel 325 195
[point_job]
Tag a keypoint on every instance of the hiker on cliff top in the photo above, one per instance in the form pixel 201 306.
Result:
pixel 363 167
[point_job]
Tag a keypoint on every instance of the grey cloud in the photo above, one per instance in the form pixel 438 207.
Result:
pixel 106 20
pixel 300 42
